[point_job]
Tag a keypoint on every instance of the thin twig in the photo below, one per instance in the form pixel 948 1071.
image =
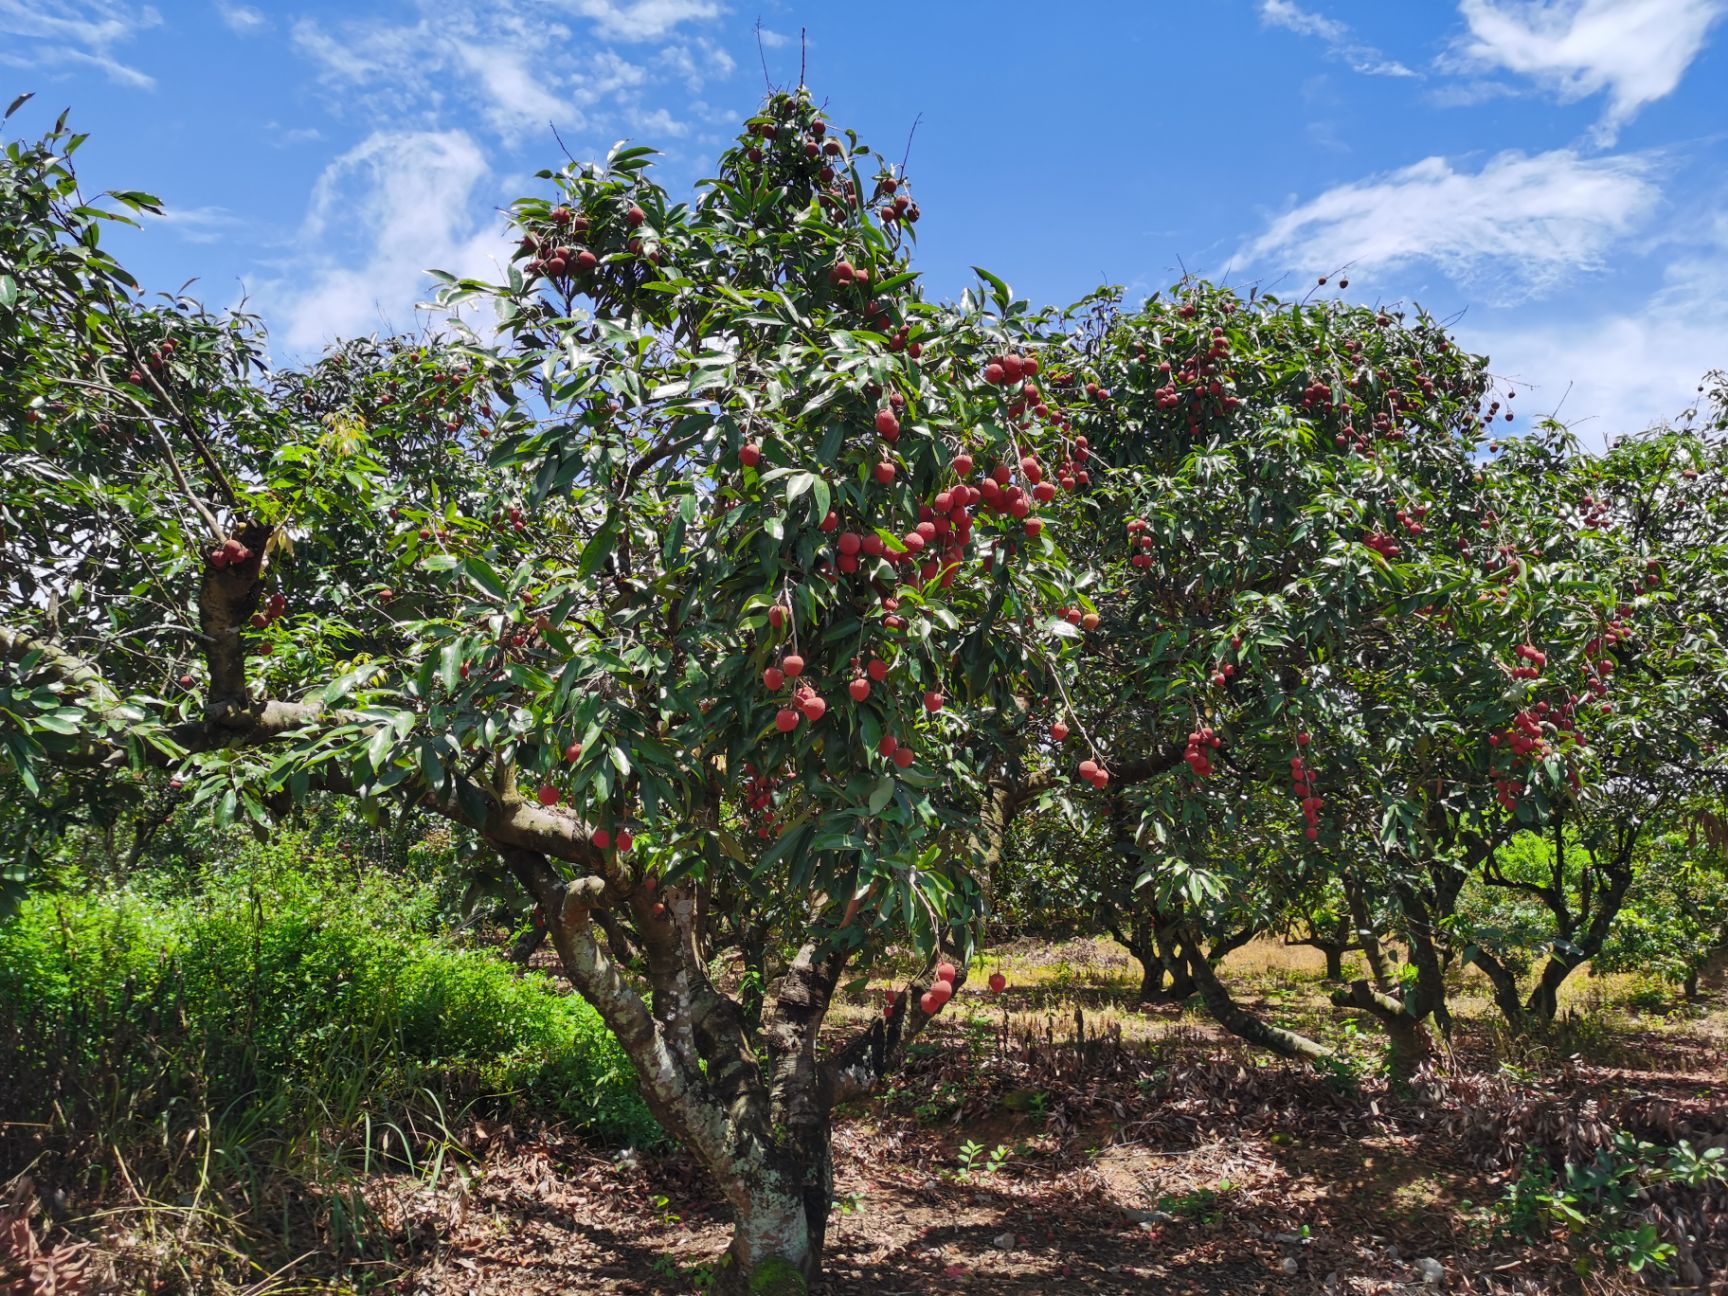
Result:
pixel 762 54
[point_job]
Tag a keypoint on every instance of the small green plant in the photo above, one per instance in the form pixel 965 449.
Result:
pixel 1598 1205
pixel 1201 1206
pixel 851 1203
pixel 975 1161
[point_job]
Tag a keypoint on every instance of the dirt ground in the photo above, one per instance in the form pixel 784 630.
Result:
pixel 1135 1151
pixel 1059 1138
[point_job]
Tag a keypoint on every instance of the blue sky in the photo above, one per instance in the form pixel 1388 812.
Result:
pixel 1552 172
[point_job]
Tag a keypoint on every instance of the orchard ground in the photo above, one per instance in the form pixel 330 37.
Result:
pixel 1058 1136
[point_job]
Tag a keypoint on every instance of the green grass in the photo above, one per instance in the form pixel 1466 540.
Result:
pixel 294 977
pixel 265 1036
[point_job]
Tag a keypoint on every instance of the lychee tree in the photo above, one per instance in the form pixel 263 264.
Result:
pixel 1282 492
pixel 688 580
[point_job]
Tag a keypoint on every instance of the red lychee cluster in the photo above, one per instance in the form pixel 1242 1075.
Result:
pixel 274 607
pixel 1303 785
pixel 1534 660
pixel 1140 539
pixel 941 989
pixel 1382 544
pixel 1095 774
pixel 1201 742
pixel 230 553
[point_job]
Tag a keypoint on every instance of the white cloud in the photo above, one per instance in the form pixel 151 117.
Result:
pixel 1635 51
pixel 1513 230
pixel 640 20
pixel 400 203
pixel 508 61
pixel 1340 43
pixel 77 31
pixel 514 95
pixel 241 19
pixel 200 224
pixel 1619 371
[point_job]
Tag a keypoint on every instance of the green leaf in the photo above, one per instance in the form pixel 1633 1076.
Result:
pixel 882 794
pixel 597 550
pixel 488 581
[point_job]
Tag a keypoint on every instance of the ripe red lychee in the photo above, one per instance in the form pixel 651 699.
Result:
pixel 786 720
pixel 750 455
pixel 573 752
pixel 635 216
pixel 1059 732
pixel 946 971
pixel 998 983
pixel 773 679
pixel 859 689
pixel 793 665
pixel 602 839
pixel 625 840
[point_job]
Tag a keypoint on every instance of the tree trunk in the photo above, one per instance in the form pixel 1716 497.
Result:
pixel 1689 987
pixel 1151 976
pixel 1244 1024
pixel 1422 917
pixel 771 1252
pixel 1505 984
pixel 1410 1044
pixel 1544 1001
pixel 1368 939
pixel 765 1149
pixel 1141 942
pixel 1182 985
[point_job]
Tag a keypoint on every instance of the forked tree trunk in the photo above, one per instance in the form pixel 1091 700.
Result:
pixel 1410 1043
pixel 755 1112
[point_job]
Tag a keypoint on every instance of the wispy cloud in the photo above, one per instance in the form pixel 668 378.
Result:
pixel 641 20
pixel 1634 51
pixel 1513 230
pixel 1340 42
pixel 382 214
pixel 200 224
pixel 82 32
pixel 241 19
pixel 1616 371
pixel 509 61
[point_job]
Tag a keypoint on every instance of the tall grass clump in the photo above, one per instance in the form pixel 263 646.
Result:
pixel 262 1034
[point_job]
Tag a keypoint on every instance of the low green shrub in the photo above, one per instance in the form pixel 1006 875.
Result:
pixel 288 981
